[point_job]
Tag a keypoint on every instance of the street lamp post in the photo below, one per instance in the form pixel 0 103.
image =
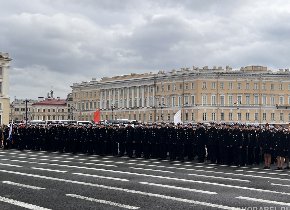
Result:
pixel 26 118
pixel 72 109
pixel 112 108
pixel 11 113
pixel 161 107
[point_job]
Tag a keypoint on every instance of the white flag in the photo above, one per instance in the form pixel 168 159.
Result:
pixel 10 131
pixel 177 117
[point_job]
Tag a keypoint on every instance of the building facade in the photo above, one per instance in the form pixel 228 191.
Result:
pixel 50 109
pixel 18 109
pixel 252 94
pixel 4 88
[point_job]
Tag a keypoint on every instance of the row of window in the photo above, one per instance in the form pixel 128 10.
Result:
pixel 248 86
pixel 187 86
pixel 205 117
pixel 38 110
pixel 48 110
pixel 247 117
pixel 49 117
pixel 174 101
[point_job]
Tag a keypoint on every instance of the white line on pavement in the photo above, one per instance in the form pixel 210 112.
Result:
pixel 125 190
pixel 102 177
pixel 103 201
pixel 263 201
pixel 238 174
pixel 23 185
pixel 149 169
pixel 191 181
pixel 218 177
pixel 21 204
pixel 67 166
pixel 6 164
pixel 46 169
pixel 179 188
pixel 283 185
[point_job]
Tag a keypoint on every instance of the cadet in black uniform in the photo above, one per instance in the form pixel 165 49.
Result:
pixel 212 143
pixel 280 145
pixel 171 136
pixel 201 141
pixel 267 146
pixel 189 142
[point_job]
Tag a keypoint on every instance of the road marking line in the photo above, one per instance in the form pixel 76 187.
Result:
pixel 141 164
pixel 23 185
pixel 68 166
pixel 283 185
pixel 46 169
pixel 218 177
pixel 125 190
pixel 21 204
pixel 179 188
pixel 245 175
pixel 102 201
pixel 191 181
pixel 149 169
pixel 6 164
pixel 102 177
pixel 264 201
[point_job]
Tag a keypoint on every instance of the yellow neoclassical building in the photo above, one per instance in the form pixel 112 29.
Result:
pixel 4 88
pixel 251 94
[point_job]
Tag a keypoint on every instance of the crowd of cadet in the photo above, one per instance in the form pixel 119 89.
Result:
pixel 236 144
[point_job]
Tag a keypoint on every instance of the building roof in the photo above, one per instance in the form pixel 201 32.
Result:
pixel 51 102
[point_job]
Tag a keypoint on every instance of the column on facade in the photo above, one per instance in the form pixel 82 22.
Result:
pixel 133 96
pixel 138 93
pixel 114 98
pixel 153 99
pixel 148 96
pixel 110 97
pixel 105 101
pixel 128 97
pixel 101 99
pixel 118 97
pixel 143 95
pixel 123 103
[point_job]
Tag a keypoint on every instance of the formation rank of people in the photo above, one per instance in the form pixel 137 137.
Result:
pixel 235 144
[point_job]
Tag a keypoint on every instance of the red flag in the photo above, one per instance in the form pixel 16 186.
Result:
pixel 97 117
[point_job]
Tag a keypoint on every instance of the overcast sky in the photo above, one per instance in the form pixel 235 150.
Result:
pixel 55 43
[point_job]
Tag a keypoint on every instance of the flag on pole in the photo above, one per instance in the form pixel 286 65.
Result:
pixel 10 131
pixel 97 117
pixel 177 117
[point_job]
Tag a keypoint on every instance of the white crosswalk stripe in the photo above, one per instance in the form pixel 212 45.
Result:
pixel 23 185
pixel 103 201
pixel 21 204
pixel 155 177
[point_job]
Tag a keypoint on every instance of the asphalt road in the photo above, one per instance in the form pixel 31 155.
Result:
pixel 41 180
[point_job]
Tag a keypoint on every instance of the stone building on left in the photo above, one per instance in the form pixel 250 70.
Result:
pixel 4 88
